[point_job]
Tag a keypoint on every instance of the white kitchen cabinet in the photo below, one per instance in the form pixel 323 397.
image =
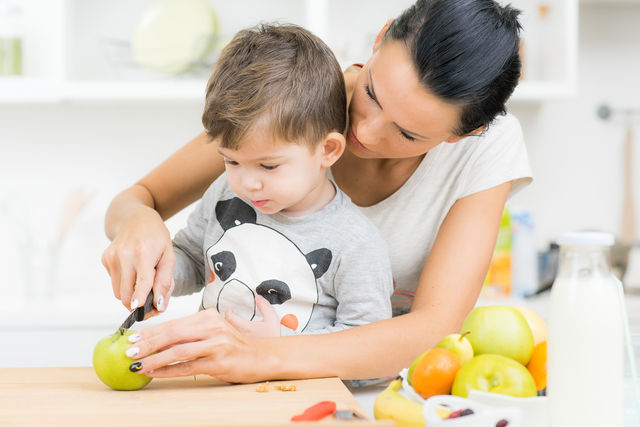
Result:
pixel 76 50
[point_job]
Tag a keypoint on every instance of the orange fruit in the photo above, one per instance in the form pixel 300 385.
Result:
pixel 434 374
pixel 537 365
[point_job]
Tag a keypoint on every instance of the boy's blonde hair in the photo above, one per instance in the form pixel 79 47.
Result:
pixel 281 72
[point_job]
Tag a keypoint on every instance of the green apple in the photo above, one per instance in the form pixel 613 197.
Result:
pixel 496 374
pixel 459 345
pixel 413 365
pixel 499 329
pixel 112 364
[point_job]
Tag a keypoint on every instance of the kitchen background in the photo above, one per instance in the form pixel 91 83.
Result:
pixel 81 121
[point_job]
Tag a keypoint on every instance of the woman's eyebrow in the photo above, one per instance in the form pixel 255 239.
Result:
pixel 375 98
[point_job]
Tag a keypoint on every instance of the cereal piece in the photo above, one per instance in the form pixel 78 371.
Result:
pixel 262 388
pixel 286 387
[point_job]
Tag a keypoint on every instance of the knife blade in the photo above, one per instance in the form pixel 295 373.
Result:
pixel 138 314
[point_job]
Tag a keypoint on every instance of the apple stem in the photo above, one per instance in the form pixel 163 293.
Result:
pixel 462 335
pixel 118 334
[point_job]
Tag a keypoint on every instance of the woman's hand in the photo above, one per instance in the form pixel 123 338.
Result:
pixel 202 343
pixel 140 258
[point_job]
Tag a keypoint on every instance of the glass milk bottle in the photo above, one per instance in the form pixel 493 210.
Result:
pixel 585 343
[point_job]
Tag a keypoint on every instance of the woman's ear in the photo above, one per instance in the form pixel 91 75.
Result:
pixel 332 148
pixel 381 34
pixel 458 138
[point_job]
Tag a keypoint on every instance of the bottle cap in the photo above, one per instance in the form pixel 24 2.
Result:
pixel 586 238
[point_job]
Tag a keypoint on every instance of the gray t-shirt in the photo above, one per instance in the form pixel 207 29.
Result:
pixel 322 272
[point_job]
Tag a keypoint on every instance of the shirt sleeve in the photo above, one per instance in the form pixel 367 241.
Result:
pixel 500 156
pixel 188 245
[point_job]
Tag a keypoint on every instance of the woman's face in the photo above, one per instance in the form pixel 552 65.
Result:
pixel 391 114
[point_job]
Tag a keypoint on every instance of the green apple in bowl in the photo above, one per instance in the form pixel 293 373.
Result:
pixel 495 374
pixel 499 329
pixel 112 364
pixel 459 345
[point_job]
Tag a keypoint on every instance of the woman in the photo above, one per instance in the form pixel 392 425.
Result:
pixel 431 160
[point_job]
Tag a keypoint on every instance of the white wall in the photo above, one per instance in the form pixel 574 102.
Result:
pixel 577 158
pixel 46 152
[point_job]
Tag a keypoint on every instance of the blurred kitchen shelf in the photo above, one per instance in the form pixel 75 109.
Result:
pixel 16 90
pixel 534 91
pixel 183 90
pixel 33 90
pixel 22 90
pixel 64 54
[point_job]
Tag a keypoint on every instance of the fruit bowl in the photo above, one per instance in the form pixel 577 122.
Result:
pixel 482 416
pixel 400 403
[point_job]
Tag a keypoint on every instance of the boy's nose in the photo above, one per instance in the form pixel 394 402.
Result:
pixel 252 183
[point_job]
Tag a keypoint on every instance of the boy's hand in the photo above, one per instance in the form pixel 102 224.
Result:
pixel 268 327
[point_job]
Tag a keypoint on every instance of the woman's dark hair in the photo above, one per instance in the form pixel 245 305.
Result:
pixel 466 52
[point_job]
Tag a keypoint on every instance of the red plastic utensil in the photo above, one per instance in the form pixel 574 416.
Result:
pixel 316 412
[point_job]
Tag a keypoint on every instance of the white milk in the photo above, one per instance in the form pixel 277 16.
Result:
pixel 585 342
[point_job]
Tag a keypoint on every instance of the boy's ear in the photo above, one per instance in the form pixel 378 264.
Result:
pixel 332 147
pixel 381 34
pixel 458 138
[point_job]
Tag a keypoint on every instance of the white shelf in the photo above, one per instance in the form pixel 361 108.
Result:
pixel 181 90
pixel 536 91
pixel 21 90
pixel 17 90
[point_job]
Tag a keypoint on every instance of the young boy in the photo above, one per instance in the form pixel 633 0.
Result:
pixel 277 247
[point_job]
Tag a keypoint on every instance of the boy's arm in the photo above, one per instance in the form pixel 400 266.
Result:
pixel 188 244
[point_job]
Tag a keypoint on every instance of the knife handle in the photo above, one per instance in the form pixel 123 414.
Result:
pixel 146 308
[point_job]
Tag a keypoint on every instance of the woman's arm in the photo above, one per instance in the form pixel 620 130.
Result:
pixel 449 286
pixel 141 255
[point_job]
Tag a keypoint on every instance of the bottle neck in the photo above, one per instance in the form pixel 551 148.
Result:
pixel 584 261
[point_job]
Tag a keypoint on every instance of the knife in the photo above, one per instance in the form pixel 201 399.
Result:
pixel 138 314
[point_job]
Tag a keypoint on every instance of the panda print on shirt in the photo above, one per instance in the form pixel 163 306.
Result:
pixel 251 259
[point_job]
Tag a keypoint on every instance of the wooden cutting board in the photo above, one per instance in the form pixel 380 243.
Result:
pixel 76 397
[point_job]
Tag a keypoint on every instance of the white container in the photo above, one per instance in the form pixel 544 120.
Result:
pixel 585 344
pixel 524 254
pixel 483 415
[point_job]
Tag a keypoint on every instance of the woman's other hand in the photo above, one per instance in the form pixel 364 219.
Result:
pixel 140 258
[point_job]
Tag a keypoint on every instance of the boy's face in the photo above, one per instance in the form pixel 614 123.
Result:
pixel 281 177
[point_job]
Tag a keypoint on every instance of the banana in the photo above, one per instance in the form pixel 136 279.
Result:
pixel 391 405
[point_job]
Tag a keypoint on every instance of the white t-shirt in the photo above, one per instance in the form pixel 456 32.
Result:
pixel 410 218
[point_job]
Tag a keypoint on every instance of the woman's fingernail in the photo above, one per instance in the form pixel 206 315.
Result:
pixel 135 366
pixel 149 372
pixel 134 337
pixel 134 304
pixel 160 303
pixel 132 351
